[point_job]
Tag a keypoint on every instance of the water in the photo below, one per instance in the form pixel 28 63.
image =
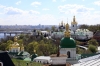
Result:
pixel 2 35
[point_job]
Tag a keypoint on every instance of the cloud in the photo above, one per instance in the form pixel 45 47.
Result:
pixel 45 9
pixel 63 0
pixel 90 18
pixel 54 0
pixel 35 4
pixel 1 6
pixel 97 2
pixel 73 9
pixel 97 12
pixel 28 19
pixel 12 11
pixel 17 3
pixel 16 11
pixel 33 12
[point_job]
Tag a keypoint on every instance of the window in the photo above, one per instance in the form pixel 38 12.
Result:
pixel 68 54
pixel 73 25
pixel 1 64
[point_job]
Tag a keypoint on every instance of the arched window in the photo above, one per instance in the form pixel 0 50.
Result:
pixel 68 54
pixel 1 64
pixel 73 25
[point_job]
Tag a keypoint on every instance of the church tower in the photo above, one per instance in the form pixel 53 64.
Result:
pixel 15 47
pixel 68 44
pixel 61 26
pixel 74 24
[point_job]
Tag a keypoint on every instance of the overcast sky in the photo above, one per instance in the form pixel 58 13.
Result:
pixel 49 12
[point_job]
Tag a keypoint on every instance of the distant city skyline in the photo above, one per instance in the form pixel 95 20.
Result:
pixel 49 12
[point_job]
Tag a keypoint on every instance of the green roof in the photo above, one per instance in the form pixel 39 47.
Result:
pixel 67 42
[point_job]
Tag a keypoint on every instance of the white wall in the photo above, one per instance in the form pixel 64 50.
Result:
pixel 73 27
pixel 71 50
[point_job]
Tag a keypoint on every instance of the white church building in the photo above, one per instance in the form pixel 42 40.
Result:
pixel 67 52
pixel 76 33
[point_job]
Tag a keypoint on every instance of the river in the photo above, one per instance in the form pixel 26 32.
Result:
pixel 2 35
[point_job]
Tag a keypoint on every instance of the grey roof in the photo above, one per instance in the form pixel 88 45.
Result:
pixel 90 61
pixel 23 53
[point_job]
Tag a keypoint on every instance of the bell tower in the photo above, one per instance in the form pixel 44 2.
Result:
pixel 74 24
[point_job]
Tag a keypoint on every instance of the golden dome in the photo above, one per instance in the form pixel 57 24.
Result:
pixel 15 45
pixel 67 32
pixel 15 39
pixel 67 27
pixel 74 21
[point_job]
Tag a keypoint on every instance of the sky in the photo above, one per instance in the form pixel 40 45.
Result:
pixel 49 12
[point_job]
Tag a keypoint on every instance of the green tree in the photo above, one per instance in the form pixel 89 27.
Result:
pixel 21 36
pixel 92 48
pixel 8 44
pixel 44 48
pixel 93 42
pixel 20 42
pixel 53 28
pixel 31 46
pixel 46 28
pixel 83 26
pixel 3 47
pixel 80 51
pixel 78 42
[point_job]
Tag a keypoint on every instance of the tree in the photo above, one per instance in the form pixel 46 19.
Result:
pixel 31 46
pixel 61 30
pixel 8 44
pixel 79 50
pixel 46 28
pixel 53 28
pixel 20 43
pixel 78 42
pixel 44 49
pixel 92 48
pixel 94 28
pixel 93 42
pixel 21 36
pixel 83 26
pixel 3 47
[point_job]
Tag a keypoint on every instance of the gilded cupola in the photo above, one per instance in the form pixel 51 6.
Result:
pixel 74 21
pixel 67 32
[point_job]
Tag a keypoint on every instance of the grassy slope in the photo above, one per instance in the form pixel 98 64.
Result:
pixel 24 63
